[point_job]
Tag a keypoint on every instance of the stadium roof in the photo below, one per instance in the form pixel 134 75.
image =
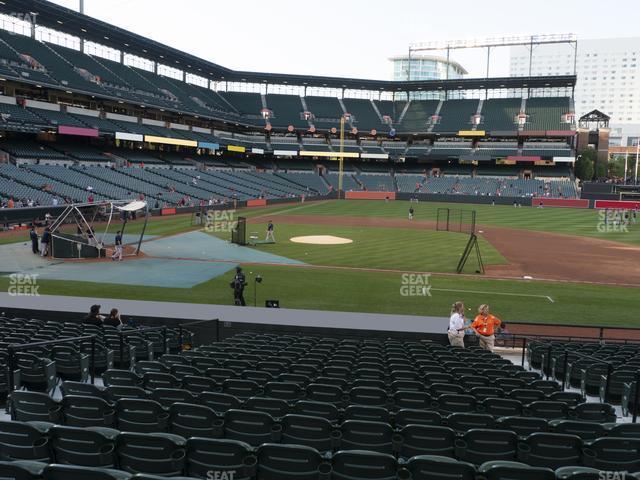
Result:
pixel 69 21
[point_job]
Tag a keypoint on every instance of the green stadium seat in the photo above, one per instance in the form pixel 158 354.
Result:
pixel 579 473
pixel 426 440
pixel 287 391
pixel 325 393
pixel 153 380
pixel 241 389
pixel 449 403
pixel 613 454
pixel 81 411
pixel 480 445
pixel 585 430
pixel 501 407
pixel 506 470
pixel 314 432
pixel 290 462
pixel 372 436
pixel 70 363
pixel 192 420
pixel 572 399
pixel 121 378
pixel 433 467
pixel 594 412
pixel 116 393
pixel 24 441
pixel 141 416
pixel 219 402
pixel 317 409
pixel 368 413
pixel 88 446
pixel 623 430
pixel 523 426
pixel 84 389
pixel 198 384
pixel 181 371
pixel 168 396
pixel 34 406
pixel 407 416
pixel 22 470
pixel 208 454
pixel 547 409
pixel 553 450
pixel 275 407
pixel 461 422
pixel 253 428
pixel 155 453
pixel 363 465
pixel 36 373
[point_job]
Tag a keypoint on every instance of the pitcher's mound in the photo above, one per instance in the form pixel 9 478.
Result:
pixel 321 240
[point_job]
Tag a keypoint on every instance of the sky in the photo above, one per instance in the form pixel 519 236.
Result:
pixel 356 38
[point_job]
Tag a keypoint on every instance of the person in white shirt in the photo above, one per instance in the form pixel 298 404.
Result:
pixel 456 325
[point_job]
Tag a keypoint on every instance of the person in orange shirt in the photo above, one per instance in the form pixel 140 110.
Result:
pixel 484 325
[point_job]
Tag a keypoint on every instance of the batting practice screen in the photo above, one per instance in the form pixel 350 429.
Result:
pixel 238 234
pixel 456 220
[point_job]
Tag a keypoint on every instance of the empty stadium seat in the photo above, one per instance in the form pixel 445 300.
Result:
pixel 34 406
pixel 552 450
pixel 290 462
pixel 82 411
pixel 88 446
pixel 204 455
pixel 24 441
pixel 506 470
pixel 363 465
pixel 142 416
pixel 155 453
pixel 253 428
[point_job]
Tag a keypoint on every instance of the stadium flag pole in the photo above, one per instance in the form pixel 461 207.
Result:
pixel 626 158
pixel 341 159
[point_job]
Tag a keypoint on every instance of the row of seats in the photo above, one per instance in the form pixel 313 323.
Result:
pixel 171 455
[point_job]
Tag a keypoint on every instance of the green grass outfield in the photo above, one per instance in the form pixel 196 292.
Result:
pixel 569 221
pixel 358 291
pixel 350 289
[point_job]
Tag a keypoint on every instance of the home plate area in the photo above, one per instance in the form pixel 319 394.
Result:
pixel 321 240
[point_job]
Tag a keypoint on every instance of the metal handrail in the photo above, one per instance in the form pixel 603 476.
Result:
pixel 13 348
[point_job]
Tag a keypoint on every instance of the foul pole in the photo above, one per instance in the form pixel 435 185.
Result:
pixel 341 158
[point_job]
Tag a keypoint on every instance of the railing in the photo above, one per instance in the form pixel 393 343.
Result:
pixel 13 348
pixel 196 323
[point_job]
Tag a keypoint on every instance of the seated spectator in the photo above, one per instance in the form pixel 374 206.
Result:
pixel 94 317
pixel 113 320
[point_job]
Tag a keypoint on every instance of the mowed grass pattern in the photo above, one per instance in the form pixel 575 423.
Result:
pixel 380 292
pixel 419 250
pixel 569 221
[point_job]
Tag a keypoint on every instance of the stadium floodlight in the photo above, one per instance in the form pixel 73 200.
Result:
pixel 496 42
pixel 505 41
